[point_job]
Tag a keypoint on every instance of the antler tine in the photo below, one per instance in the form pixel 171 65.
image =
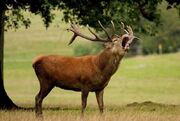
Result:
pixel 76 31
pixel 104 30
pixel 113 28
pixel 130 30
pixel 122 24
pixel 72 29
pixel 72 39
pixel 123 27
pixel 131 33
pixel 92 32
pixel 126 31
pixel 96 36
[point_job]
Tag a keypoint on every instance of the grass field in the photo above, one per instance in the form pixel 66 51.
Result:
pixel 145 88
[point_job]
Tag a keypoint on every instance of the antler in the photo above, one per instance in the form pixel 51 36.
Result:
pixel 129 34
pixel 109 37
pixel 113 28
pixel 77 32
pixel 123 28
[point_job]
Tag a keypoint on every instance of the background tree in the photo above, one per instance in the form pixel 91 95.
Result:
pixel 15 18
pixel 142 15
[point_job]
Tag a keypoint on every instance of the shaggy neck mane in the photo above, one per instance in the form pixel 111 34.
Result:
pixel 108 62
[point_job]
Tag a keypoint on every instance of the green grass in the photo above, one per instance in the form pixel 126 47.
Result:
pixel 154 78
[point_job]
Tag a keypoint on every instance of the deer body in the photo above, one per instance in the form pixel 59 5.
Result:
pixel 85 74
pixel 73 73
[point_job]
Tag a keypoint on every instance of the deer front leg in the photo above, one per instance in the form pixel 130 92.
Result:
pixel 84 95
pixel 99 97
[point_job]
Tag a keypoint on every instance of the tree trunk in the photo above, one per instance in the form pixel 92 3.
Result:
pixel 5 101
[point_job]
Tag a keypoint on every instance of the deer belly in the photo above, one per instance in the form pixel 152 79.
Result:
pixel 68 84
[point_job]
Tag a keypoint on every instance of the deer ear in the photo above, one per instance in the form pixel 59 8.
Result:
pixel 108 45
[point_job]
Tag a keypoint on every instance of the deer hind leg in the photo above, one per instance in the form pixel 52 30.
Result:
pixel 99 97
pixel 45 88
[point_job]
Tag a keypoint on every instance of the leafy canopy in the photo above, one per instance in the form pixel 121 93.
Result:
pixel 143 15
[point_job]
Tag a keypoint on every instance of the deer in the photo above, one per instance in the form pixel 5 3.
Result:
pixel 90 73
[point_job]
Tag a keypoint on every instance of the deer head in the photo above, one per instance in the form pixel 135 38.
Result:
pixel 117 43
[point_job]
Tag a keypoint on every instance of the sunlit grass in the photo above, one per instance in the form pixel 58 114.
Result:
pixel 135 112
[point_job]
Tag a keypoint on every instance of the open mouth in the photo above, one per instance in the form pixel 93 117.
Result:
pixel 125 44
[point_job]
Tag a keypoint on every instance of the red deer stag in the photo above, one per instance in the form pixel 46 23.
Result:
pixel 87 73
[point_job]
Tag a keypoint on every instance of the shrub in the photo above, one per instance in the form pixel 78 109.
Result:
pixel 83 49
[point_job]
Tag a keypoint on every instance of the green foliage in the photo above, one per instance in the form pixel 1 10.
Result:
pixel 149 46
pixel 167 36
pixel 88 12
pixel 131 12
pixel 83 49
pixel 143 16
pixel 15 18
pixel 168 44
